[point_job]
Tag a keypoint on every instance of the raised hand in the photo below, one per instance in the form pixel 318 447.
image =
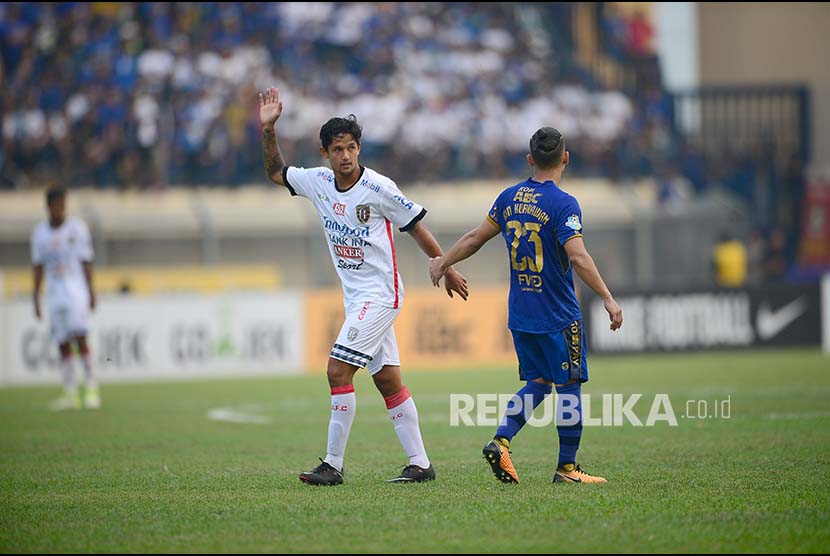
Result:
pixel 270 106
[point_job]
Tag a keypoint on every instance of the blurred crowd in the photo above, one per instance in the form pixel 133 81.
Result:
pixel 151 94
pixel 154 94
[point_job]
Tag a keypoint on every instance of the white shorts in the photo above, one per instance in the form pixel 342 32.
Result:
pixel 67 322
pixel 367 338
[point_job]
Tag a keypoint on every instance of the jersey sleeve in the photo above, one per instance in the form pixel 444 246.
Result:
pixel 569 221
pixel 84 250
pixel 299 181
pixel 494 216
pixel 37 252
pixel 402 212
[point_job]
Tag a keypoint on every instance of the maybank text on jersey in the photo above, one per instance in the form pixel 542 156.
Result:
pixel 345 229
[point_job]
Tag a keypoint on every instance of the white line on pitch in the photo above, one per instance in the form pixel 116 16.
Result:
pixel 234 415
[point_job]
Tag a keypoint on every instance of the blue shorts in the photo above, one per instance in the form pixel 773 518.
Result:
pixel 555 356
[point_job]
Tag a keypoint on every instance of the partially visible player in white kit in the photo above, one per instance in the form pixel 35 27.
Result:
pixel 62 251
pixel 358 208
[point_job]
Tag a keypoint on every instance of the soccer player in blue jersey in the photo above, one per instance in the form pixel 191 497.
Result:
pixel 542 226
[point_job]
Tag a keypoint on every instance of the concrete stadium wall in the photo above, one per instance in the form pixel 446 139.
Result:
pixel 769 44
pixel 625 231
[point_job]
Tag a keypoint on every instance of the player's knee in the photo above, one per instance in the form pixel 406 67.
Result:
pixel 383 384
pixel 83 346
pixel 336 377
pixel 387 383
pixel 339 373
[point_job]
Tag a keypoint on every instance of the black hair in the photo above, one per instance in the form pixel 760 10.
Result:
pixel 54 193
pixel 547 147
pixel 340 126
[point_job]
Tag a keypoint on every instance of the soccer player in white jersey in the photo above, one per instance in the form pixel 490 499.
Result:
pixel 62 251
pixel 359 208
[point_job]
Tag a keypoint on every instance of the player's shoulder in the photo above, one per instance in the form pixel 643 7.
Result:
pixel 379 187
pixel 75 223
pixel 319 173
pixel 562 198
pixel 377 182
pixel 39 229
pixel 569 199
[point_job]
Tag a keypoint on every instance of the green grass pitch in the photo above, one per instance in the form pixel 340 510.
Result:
pixel 150 472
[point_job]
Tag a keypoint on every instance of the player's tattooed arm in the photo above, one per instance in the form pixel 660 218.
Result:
pixel 270 109
pixel 274 162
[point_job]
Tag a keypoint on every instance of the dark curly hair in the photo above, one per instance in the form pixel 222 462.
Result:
pixel 340 126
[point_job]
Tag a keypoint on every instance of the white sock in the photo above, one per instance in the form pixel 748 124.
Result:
pixel 86 362
pixel 343 406
pixel 68 374
pixel 404 416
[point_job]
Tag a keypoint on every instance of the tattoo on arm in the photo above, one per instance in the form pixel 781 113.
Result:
pixel 274 162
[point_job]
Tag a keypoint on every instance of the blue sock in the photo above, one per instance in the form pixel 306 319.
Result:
pixel 528 399
pixel 569 434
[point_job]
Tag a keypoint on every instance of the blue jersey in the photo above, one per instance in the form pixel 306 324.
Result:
pixel 536 219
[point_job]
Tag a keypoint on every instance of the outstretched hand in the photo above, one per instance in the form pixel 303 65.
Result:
pixel 455 282
pixel 435 271
pixel 270 106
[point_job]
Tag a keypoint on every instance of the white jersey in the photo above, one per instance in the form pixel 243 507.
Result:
pixel 61 252
pixel 357 224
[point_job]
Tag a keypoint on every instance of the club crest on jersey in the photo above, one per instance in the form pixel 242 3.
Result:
pixel 353 332
pixel 339 209
pixel 362 212
pixel 573 223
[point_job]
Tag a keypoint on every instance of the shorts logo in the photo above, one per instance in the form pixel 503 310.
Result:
pixel 339 209
pixel 565 366
pixel 353 332
pixel 363 311
pixel 362 212
pixel 573 338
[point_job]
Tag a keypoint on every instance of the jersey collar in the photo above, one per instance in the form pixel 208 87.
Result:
pixel 337 187
pixel 542 182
